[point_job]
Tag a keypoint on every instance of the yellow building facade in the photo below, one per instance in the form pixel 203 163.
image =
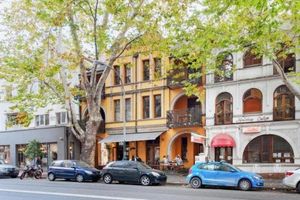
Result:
pixel 161 121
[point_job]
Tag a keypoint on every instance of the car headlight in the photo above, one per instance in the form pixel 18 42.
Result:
pixel 155 174
pixel 257 177
pixel 88 172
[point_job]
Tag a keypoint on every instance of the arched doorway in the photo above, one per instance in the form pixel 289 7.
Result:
pixel 181 144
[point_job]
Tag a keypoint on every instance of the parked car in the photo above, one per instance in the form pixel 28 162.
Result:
pixel 222 174
pixel 8 170
pixel 132 172
pixel 73 170
pixel 292 179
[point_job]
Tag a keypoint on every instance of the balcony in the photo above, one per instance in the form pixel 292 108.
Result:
pixel 223 118
pixel 184 118
pixel 280 114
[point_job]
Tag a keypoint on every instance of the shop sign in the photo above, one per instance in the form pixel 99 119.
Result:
pixel 197 138
pixel 252 129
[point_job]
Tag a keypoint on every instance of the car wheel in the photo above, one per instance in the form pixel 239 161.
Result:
pixel 51 177
pixel 195 182
pixel 79 178
pixel 107 178
pixel 244 185
pixel 145 180
pixel 298 187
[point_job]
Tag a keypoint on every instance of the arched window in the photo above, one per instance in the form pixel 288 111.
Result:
pixel 268 149
pixel 284 104
pixel 287 62
pixel 251 59
pixel 252 101
pixel 225 69
pixel 223 112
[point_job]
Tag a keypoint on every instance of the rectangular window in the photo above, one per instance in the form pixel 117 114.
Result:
pixel 8 93
pixel 117 75
pixel 61 118
pixel 146 70
pixel 117 110
pixel 157 67
pixel 127 73
pixel 12 119
pixel 157 105
pixel 4 153
pixel 146 107
pixel 128 109
pixel 42 120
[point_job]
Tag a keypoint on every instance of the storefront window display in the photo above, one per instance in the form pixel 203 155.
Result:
pixel 268 149
pixel 5 153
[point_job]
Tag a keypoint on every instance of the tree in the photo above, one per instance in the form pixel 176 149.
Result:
pixel 47 43
pixel 33 150
pixel 269 28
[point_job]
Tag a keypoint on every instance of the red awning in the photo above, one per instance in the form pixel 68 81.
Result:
pixel 223 140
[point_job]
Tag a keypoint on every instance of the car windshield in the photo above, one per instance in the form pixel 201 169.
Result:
pixel 143 165
pixel 81 164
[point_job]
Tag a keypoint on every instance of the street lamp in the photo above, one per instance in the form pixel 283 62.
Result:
pixel 123 102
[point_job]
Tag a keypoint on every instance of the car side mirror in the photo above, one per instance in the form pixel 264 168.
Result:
pixel 73 167
pixel 233 171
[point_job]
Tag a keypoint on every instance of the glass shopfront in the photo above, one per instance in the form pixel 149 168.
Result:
pixel 49 154
pixel 5 153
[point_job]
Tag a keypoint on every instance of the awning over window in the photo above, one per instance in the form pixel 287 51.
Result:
pixel 131 137
pixel 223 140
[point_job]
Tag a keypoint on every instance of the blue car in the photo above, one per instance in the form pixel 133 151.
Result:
pixel 73 170
pixel 222 174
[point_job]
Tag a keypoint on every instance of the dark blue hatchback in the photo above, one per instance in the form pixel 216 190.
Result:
pixel 73 170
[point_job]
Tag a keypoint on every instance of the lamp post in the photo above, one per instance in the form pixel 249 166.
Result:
pixel 123 102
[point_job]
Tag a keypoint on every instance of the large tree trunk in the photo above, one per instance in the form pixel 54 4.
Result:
pixel 88 145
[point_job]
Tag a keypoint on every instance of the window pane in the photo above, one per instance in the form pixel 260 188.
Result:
pixel 157 68
pixel 58 119
pixel 157 99
pixel 146 108
pixel 117 75
pixel 127 73
pixel 117 110
pixel 146 70
pixel 63 117
pixel 128 109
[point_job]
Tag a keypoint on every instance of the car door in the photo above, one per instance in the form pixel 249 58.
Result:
pixel 227 176
pixel 69 170
pixel 117 170
pixel 131 172
pixel 209 174
pixel 57 168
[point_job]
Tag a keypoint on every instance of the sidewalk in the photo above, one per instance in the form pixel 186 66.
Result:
pixel 270 184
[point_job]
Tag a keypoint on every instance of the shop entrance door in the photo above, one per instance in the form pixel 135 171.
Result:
pixel 223 154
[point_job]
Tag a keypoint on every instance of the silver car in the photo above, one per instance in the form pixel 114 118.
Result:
pixel 292 179
pixel 8 170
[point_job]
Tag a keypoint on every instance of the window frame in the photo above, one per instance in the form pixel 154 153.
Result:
pixel 288 95
pixel 222 101
pixel 253 58
pixel 59 117
pixel 128 117
pixel 157 106
pixel 146 70
pixel 117 74
pixel 127 76
pixel 251 96
pixel 157 67
pixel 42 118
pixel 117 110
pixel 146 108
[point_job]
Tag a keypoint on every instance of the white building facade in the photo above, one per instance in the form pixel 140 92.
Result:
pixel 49 126
pixel 252 119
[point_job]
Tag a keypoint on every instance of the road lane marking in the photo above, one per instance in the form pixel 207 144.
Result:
pixel 69 194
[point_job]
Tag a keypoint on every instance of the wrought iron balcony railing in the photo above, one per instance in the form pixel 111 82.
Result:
pixel 223 118
pixel 283 114
pixel 184 117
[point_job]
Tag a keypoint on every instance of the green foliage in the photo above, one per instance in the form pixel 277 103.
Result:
pixel 33 150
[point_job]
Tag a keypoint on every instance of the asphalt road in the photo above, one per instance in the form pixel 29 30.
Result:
pixel 30 189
